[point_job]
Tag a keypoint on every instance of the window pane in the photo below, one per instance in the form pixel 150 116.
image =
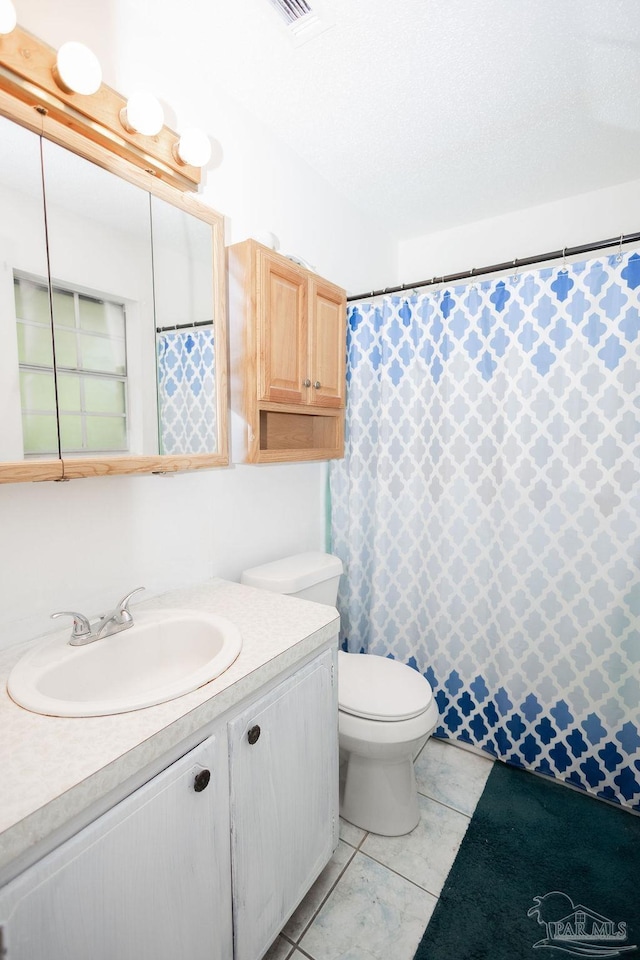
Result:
pixel 64 314
pixel 34 345
pixel 98 353
pixel 66 348
pixel 70 434
pixel 104 396
pixel 106 433
pixel 37 391
pixel 39 433
pixel 69 393
pixel 32 302
pixel 99 317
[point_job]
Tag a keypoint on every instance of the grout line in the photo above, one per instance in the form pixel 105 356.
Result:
pixel 303 952
pixel 360 842
pixel 408 879
pixel 448 806
pixel 327 895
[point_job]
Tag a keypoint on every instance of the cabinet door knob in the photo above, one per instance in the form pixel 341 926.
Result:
pixel 254 734
pixel 201 780
pixel 306 383
pixel 317 384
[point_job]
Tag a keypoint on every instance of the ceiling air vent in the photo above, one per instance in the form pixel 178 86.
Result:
pixel 292 10
pixel 301 21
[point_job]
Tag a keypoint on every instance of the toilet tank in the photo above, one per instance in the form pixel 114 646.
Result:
pixel 311 576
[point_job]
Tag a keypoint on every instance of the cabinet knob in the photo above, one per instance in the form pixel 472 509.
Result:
pixel 306 383
pixel 317 384
pixel 201 780
pixel 254 735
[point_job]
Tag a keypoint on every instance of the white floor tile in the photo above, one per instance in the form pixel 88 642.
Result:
pixel 350 833
pixel 452 775
pixel 318 891
pixel 372 914
pixel 425 855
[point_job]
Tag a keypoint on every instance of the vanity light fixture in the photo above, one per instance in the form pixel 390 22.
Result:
pixel 142 114
pixel 77 69
pixel 193 147
pixel 65 88
pixel 8 18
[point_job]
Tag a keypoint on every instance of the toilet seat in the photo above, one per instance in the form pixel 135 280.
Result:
pixel 378 688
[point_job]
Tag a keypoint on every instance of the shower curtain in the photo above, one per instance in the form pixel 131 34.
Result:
pixel 487 511
pixel 186 391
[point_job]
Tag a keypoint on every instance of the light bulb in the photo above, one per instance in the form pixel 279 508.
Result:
pixel 193 147
pixel 77 69
pixel 8 18
pixel 142 114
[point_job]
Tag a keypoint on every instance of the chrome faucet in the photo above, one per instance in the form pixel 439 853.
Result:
pixel 109 623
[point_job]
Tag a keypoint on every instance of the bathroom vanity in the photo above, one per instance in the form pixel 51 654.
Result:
pixel 191 828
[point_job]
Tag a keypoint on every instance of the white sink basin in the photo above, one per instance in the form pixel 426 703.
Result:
pixel 164 655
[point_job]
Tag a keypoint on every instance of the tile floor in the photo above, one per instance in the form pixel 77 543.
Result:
pixel 376 895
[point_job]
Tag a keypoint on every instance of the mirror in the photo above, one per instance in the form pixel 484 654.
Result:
pixel 185 345
pixel 112 335
pixel 27 388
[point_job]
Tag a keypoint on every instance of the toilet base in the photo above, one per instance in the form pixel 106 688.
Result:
pixel 380 796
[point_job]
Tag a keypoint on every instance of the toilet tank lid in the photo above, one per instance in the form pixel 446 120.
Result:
pixel 378 688
pixel 292 574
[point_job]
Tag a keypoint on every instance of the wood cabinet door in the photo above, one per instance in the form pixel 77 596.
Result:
pixel 143 882
pixel 327 344
pixel 283 755
pixel 281 331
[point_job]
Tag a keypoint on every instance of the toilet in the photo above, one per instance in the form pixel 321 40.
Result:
pixel 386 710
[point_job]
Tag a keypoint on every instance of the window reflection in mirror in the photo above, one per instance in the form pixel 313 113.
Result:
pixel 184 301
pixel 99 237
pixel 27 386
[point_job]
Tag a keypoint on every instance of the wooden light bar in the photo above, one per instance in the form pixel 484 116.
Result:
pixel 26 72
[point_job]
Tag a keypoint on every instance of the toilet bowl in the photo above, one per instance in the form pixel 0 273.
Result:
pixel 386 710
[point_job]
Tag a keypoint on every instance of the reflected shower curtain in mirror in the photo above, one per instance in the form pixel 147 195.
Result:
pixel 488 511
pixel 186 391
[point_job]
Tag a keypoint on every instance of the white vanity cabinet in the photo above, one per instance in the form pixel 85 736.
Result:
pixel 207 860
pixel 148 880
pixel 283 771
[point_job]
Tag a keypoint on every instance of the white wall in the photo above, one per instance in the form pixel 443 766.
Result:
pixel 84 543
pixel 575 220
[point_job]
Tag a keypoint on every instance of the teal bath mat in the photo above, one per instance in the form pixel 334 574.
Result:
pixel 543 873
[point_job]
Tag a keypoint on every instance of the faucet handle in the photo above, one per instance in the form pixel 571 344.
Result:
pixel 81 627
pixel 124 615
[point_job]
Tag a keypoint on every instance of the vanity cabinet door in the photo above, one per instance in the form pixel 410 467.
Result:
pixel 327 344
pixel 146 881
pixel 281 330
pixel 284 801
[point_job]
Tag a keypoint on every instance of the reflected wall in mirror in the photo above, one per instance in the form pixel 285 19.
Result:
pixel 112 316
pixel 27 384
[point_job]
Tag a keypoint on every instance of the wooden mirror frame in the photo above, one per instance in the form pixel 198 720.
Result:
pixel 77 138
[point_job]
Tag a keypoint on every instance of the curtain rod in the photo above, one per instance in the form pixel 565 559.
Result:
pixel 509 265
pixel 184 326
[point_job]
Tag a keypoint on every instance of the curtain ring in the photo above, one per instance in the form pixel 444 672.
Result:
pixel 516 275
pixel 564 258
pixel 619 257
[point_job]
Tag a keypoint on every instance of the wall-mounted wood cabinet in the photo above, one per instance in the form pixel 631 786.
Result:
pixel 288 356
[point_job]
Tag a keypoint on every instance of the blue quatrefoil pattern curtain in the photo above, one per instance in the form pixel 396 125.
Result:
pixel 186 391
pixel 488 511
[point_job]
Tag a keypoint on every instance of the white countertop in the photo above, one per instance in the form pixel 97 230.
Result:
pixel 54 768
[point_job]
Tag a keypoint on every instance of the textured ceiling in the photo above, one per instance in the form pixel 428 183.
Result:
pixel 427 114
pixel 433 113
